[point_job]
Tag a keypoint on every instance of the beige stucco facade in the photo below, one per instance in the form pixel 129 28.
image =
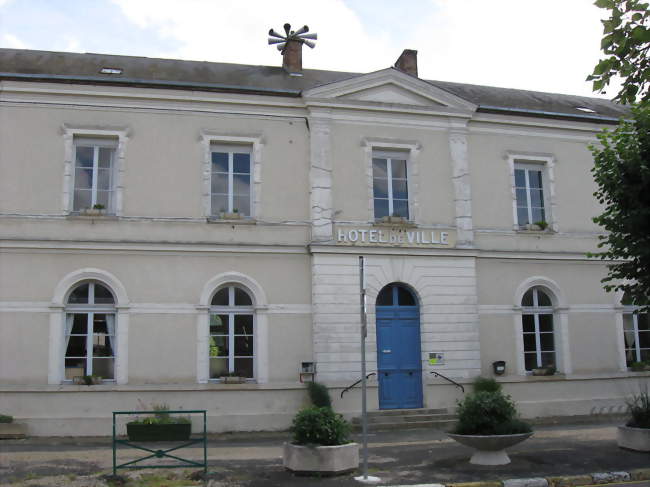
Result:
pixel 164 256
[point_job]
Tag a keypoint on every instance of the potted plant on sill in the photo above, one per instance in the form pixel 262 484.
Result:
pixel 547 370
pixel 635 435
pixel 161 426
pixel 232 378
pixel 639 366
pixel 88 380
pixel 230 215
pixel 96 210
pixel 488 422
pixel 321 444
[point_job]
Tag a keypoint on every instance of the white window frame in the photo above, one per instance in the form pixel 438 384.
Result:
pixel 255 142
pixel 629 311
pixel 231 150
pixel 115 136
pixel 231 311
pixel 544 163
pixel 536 310
pixel 89 310
pixel 411 149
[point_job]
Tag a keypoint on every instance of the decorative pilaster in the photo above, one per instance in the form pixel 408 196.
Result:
pixel 320 178
pixel 462 185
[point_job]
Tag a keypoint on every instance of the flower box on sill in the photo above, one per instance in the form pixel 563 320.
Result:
pixel 544 371
pixel 87 380
pixel 227 215
pixel 92 212
pixel 233 379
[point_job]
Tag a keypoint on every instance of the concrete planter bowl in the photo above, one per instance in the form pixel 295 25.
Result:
pixel 321 460
pixel 490 449
pixel 637 439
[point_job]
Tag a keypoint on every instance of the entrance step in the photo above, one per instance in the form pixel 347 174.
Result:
pixel 392 419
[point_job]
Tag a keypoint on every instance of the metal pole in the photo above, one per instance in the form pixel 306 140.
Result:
pixel 364 334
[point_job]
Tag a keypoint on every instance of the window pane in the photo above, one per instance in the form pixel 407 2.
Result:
pixel 399 189
pixel 104 179
pixel 528 298
pixel 381 208
pixel 380 188
pixel 218 367
pixel 219 162
pixel 83 178
pixel 105 157
pixel 548 359
pixel 398 168
pixel 401 208
pixel 645 355
pixel 537 198
pixel 546 341
pixel 520 178
pixel 219 346
pixel 218 324
pixel 74 367
pixel 535 178
pixel 628 322
pixel 242 205
pixel 103 295
pixel 84 156
pixel 241 184
pixel 244 367
pixel 79 324
pixel 385 297
pixel 82 199
pixel 100 327
pixel 213 350
pixel 522 216
pixel 104 198
pixel 630 340
pixel 243 324
pixel 241 163
pixel 644 339
pixel 528 322
pixel 543 299
pixel 219 204
pixel 521 198
pixel 642 321
pixel 242 298
pixel 529 342
pixel 79 295
pixel 244 346
pixel 219 183
pixel 76 346
pixel 545 323
pixel 103 346
pixel 404 297
pixel 530 360
pixel 103 367
pixel 538 215
pixel 221 298
pixel 379 168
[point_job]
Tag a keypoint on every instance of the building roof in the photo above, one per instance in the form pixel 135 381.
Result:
pixel 224 77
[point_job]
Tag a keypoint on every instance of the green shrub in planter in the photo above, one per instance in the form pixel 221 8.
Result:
pixel 488 413
pixel 320 426
pixel 486 385
pixel 319 395
pixel 5 418
pixel 639 409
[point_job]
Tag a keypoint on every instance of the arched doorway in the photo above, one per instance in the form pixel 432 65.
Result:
pixel 399 363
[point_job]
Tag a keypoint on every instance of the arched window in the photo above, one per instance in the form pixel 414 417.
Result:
pixel 90 345
pixel 232 333
pixel 537 324
pixel 636 332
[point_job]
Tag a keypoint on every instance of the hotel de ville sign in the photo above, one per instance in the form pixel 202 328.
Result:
pixel 394 236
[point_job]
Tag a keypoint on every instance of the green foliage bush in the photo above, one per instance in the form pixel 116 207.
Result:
pixel 320 426
pixel 489 413
pixel 5 418
pixel 639 409
pixel 483 384
pixel 319 395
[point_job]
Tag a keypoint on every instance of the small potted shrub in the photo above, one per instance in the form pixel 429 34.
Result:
pixel 232 378
pixel 488 422
pixel 635 435
pixel 88 380
pixel 97 210
pixel 160 426
pixel 548 370
pixel 321 439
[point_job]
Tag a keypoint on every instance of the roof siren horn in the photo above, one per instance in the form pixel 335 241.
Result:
pixel 290 45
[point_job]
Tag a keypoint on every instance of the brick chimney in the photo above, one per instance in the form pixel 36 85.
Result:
pixel 292 57
pixel 408 62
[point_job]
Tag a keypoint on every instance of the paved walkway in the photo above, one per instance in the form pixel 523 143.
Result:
pixel 408 457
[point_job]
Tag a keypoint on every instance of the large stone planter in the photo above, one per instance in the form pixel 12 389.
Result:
pixel 12 431
pixel 490 449
pixel 322 460
pixel 633 438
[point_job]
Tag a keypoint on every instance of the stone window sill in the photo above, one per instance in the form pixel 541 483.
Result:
pixel 231 221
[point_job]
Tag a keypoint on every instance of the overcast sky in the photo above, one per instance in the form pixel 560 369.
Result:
pixel 545 45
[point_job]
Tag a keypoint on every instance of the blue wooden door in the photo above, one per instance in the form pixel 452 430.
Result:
pixel 399 361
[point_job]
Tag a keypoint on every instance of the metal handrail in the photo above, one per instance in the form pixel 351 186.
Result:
pixel 449 380
pixel 350 387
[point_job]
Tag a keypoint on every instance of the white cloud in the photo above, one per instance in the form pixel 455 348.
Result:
pixel 11 41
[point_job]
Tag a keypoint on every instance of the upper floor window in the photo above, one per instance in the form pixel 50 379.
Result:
pixel 90 332
pixel 636 333
pixel 94 174
pixel 231 179
pixel 390 184
pixel 529 190
pixel 537 325
pixel 232 337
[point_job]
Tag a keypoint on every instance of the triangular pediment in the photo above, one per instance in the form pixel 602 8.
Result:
pixel 389 87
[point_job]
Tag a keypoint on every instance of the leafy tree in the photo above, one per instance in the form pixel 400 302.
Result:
pixel 622 172
pixel 626 43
